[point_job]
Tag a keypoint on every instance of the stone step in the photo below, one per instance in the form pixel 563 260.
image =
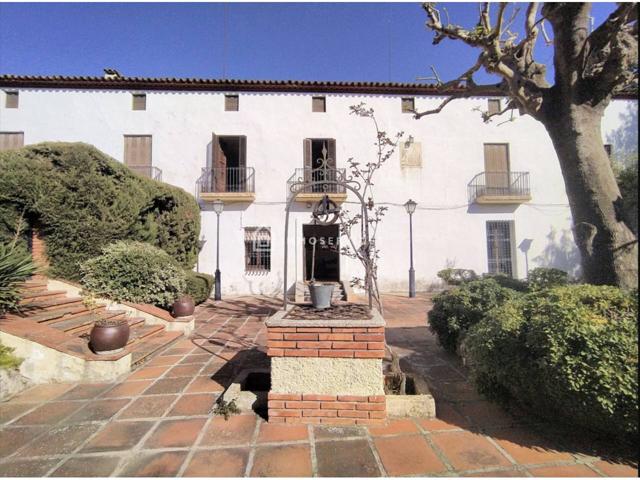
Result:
pixel 83 323
pixel 151 346
pixel 35 295
pixel 53 304
pixel 54 316
pixel 34 285
pixel 141 332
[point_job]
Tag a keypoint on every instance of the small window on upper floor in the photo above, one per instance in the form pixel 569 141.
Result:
pixel 231 103
pixel 408 105
pixel 139 101
pixel 609 149
pixel 11 100
pixel 493 106
pixel 319 104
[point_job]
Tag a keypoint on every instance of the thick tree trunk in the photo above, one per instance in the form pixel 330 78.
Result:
pixel 608 248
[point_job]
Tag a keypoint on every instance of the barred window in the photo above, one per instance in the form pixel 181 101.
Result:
pixel 257 249
pixel 499 247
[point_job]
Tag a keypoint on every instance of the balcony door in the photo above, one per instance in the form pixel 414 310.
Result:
pixel 496 168
pixel 229 161
pixel 313 157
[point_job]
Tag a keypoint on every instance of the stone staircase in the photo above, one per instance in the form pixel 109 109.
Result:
pixel 70 316
pixel 302 292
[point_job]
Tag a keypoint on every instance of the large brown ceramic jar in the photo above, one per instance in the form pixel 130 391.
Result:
pixel 183 306
pixel 109 336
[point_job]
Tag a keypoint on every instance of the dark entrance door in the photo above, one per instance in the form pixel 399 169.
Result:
pixel 327 241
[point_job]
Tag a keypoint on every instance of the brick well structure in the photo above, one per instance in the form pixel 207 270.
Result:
pixel 326 371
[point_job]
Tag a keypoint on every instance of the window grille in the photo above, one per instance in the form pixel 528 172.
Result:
pixel 499 247
pixel 257 248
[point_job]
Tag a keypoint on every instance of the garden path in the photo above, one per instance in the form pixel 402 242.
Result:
pixel 156 422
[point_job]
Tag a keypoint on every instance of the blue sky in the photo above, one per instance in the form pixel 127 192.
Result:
pixel 301 41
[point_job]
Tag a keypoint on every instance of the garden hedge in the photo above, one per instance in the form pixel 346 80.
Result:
pixel 83 200
pixel 199 286
pixel 569 353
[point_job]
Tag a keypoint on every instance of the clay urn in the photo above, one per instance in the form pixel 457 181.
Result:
pixel 109 336
pixel 183 306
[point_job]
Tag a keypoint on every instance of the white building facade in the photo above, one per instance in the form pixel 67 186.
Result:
pixel 241 141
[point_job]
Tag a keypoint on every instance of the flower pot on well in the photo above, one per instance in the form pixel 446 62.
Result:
pixel 109 336
pixel 320 295
pixel 183 306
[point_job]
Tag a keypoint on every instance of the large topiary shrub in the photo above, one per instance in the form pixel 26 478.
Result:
pixel 199 286
pixel 456 310
pixel 569 352
pixel 134 272
pixel 83 200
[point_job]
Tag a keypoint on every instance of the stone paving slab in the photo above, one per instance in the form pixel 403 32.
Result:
pixel 157 421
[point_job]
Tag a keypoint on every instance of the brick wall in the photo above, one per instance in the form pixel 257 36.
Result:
pixel 331 409
pixel 331 342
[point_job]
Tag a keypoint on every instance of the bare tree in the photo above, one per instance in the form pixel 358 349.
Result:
pixel 589 69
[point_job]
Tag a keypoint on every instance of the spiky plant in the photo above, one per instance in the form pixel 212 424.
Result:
pixel 15 268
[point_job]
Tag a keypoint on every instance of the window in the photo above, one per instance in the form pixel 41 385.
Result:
pixel 139 101
pixel 609 149
pixel 500 247
pixel 408 105
pixel 257 249
pixel 318 104
pixel 11 100
pixel 11 140
pixel 231 103
pixel 313 158
pixel 493 106
pixel 137 153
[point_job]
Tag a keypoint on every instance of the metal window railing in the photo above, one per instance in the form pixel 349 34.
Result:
pixel 229 179
pixel 319 175
pixel 499 184
pixel 147 171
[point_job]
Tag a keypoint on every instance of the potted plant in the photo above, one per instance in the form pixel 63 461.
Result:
pixel 109 335
pixel 184 306
pixel 320 293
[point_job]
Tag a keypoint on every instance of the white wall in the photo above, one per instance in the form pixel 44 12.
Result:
pixel 446 229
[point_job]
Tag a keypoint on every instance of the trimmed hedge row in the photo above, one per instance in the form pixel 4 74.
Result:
pixel 83 200
pixel 567 353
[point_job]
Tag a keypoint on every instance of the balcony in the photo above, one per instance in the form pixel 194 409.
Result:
pixel 313 193
pixel 231 184
pixel 499 188
pixel 148 171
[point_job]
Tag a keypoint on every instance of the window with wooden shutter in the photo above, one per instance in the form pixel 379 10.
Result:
pixel 496 168
pixel 11 140
pixel 319 104
pixel 11 100
pixel 500 247
pixel 408 105
pixel 493 106
pixel 231 103
pixel 137 150
pixel 139 101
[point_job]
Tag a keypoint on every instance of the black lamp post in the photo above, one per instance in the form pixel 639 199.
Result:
pixel 411 207
pixel 218 207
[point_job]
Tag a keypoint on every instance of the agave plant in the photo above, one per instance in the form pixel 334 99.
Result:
pixel 15 268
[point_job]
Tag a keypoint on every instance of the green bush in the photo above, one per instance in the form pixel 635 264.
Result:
pixel 628 182
pixel 569 353
pixel 199 286
pixel 15 267
pixel 8 359
pixel 508 282
pixel 541 278
pixel 457 276
pixel 134 272
pixel 83 200
pixel 456 310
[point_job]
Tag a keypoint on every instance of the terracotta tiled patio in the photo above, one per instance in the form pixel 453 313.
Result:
pixel 156 422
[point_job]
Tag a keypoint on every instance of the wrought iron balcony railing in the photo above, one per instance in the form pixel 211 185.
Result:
pixel 226 180
pixel 318 175
pixel 147 171
pixel 499 187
